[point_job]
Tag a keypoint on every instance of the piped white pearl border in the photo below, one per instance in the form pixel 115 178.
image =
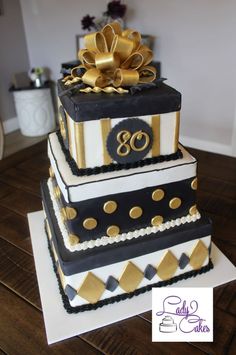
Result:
pixel 120 237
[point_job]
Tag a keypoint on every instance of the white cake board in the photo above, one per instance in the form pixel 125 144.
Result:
pixel 61 325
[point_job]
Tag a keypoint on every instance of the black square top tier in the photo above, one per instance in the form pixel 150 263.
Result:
pixel 101 130
pixel 94 106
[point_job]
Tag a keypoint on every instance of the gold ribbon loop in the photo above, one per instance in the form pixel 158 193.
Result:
pixel 107 61
pixel 109 31
pixel 133 36
pixel 94 77
pixel 113 57
pixel 134 61
pixel 74 73
pixel 125 77
pixel 146 53
pixel 147 74
pixel 96 42
pixel 87 57
pixel 122 46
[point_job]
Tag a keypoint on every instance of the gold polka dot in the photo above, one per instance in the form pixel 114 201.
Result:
pixel 157 220
pixel 73 239
pixel 71 213
pixel 158 195
pixel 57 192
pixel 175 203
pixel 51 172
pixel 193 210
pixel 90 223
pixel 194 184
pixel 135 212
pixel 113 231
pixel 63 214
pixel 110 207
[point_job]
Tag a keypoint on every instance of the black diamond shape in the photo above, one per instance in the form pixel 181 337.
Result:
pixel 183 261
pixel 149 272
pixel 111 283
pixel 70 292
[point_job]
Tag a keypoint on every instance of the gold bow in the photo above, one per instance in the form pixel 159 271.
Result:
pixel 113 57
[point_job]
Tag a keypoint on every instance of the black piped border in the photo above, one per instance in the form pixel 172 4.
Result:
pixel 124 296
pixel 114 167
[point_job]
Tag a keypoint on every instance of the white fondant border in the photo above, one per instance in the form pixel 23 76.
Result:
pixel 120 237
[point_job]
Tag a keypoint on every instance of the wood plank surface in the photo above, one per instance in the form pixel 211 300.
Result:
pixel 21 321
pixel 27 334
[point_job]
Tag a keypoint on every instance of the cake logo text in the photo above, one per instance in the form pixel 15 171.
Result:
pixel 182 314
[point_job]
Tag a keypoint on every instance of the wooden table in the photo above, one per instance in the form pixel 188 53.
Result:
pixel 21 320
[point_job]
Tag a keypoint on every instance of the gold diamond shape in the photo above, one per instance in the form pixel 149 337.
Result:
pixel 130 278
pixel 61 276
pixel 167 266
pixel 92 288
pixel 198 255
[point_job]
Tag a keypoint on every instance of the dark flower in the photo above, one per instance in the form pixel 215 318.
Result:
pixel 87 22
pixel 115 9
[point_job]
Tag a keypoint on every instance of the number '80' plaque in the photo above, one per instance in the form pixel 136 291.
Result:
pixel 130 140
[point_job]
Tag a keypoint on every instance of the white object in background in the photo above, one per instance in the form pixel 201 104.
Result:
pixel 34 111
pixel 61 325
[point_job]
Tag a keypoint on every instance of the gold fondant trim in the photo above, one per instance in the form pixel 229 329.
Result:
pixel 73 239
pixel 130 278
pixel 105 129
pixel 90 223
pixel 175 203
pixel 61 275
pixel 135 212
pixel 198 255
pixel 158 195
pixel 110 207
pixel 157 220
pixel 177 124
pixel 91 288
pixel 107 90
pixel 193 210
pixel 63 214
pixel 51 172
pixel 54 253
pixel 71 213
pixel 156 129
pixel 194 184
pixel 113 231
pixel 79 143
pixel 48 230
pixel 57 192
pixel 167 266
pixel 68 121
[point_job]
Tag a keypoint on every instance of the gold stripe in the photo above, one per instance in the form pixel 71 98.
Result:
pixel 68 121
pixel 156 126
pixel 105 128
pixel 61 276
pixel 176 139
pixel 79 143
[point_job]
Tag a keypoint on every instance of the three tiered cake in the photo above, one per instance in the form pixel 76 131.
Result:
pixel 120 203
